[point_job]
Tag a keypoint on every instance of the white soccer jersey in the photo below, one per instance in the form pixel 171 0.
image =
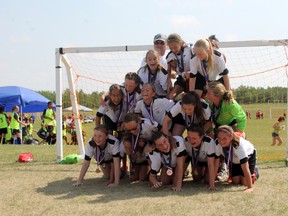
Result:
pixel 129 100
pixel 240 154
pixel 163 62
pixel 159 80
pixel 116 115
pixel 207 149
pixel 111 150
pixel 177 109
pixel 156 111
pixel 147 127
pixel 157 158
pixel 196 65
pixel 183 59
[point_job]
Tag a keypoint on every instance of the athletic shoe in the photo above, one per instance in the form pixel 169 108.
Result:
pixel 222 175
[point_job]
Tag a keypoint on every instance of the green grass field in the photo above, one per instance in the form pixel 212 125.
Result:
pixel 43 187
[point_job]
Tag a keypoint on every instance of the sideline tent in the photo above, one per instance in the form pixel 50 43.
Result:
pixel 80 108
pixel 28 100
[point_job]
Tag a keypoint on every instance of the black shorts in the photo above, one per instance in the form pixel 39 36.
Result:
pixel 275 134
pixel 237 170
pixel 178 119
pixel 50 128
pixel 15 131
pixel 109 123
pixel 3 131
pixel 180 81
pixel 200 82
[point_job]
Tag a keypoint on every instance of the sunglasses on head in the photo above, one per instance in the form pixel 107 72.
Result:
pixel 159 42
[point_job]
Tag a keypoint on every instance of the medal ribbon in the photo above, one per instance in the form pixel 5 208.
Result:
pixel 134 143
pixel 130 101
pixel 150 112
pixel 189 121
pixel 120 113
pixel 230 158
pixel 180 63
pixel 151 76
pixel 195 158
pixel 167 164
pixel 203 67
pixel 101 155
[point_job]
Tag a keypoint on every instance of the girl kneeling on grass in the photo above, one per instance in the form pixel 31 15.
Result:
pixel 170 154
pixel 105 149
pixel 241 156
pixel 201 152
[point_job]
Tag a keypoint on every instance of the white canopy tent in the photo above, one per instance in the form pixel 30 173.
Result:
pixel 80 108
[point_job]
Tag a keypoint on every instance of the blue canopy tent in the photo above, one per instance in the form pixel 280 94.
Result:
pixel 28 100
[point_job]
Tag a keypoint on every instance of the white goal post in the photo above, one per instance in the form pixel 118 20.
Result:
pixel 63 62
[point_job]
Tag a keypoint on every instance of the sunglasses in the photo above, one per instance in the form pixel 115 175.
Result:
pixel 159 42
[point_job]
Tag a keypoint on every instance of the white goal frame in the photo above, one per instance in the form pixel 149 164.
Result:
pixel 61 59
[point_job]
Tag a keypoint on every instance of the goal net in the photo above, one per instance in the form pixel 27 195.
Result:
pixel 257 70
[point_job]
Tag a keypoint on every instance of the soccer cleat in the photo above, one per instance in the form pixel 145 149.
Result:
pixel 222 175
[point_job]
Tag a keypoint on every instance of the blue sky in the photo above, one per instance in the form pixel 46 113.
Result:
pixel 32 29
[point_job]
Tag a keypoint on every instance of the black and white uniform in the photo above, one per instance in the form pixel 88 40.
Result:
pixel 238 154
pixel 198 70
pixel 147 127
pixel 112 117
pixel 130 100
pixel 159 79
pixel 183 64
pixel 103 156
pixel 177 113
pixel 156 111
pixel 198 156
pixel 170 159
pixel 163 62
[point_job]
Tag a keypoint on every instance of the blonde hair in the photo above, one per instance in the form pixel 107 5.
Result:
pixel 220 91
pixel 205 45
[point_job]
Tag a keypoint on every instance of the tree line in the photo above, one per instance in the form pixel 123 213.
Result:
pixel 243 95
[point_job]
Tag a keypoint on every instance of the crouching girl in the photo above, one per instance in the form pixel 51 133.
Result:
pixel 241 156
pixel 201 153
pixel 105 149
pixel 170 154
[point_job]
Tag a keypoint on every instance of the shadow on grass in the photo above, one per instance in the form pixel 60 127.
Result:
pixel 95 187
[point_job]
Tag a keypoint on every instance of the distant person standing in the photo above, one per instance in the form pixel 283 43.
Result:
pixel 160 43
pixel 49 116
pixel 277 129
pixel 15 126
pixel 4 123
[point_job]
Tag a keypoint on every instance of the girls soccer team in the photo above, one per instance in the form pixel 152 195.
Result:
pixel 149 126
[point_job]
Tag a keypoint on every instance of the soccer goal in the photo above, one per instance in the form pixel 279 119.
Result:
pixel 257 70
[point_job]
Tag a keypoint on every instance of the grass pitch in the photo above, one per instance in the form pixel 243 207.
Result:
pixel 43 187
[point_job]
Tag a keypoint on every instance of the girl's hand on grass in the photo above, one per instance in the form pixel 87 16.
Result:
pixel 176 189
pixel 156 185
pixel 212 188
pixel 78 184
pixel 248 190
